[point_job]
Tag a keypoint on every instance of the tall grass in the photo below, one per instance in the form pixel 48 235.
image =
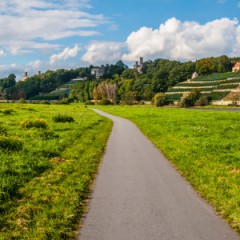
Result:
pixel 203 145
pixel 44 185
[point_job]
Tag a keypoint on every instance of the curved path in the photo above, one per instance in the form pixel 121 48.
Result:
pixel 138 195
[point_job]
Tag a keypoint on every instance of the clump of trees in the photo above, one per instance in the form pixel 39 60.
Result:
pixel 194 98
pixel 159 99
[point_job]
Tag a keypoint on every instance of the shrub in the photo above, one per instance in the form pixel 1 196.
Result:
pixel 3 130
pixel 45 102
pixel 10 143
pixel 35 123
pixel 62 118
pixel 190 99
pixel 46 134
pixel 202 101
pixel 89 103
pixel 159 99
pixel 7 111
pixel 105 101
pixel 22 100
pixel 63 101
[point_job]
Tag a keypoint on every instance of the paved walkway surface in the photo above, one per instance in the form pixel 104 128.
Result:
pixel 138 195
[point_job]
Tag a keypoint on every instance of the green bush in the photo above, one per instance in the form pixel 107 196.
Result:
pixel 202 101
pixel 46 134
pixel 105 101
pixel 63 101
pixel 10 143
pixel 3 130
pixel 89 103
pixel 159 99
pixel 22 100
pixel 35 123
pixel 45 102
pixel 191 98
pixel 7 111
pixel 63 118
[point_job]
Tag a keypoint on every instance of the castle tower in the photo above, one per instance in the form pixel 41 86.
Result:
pixel 25 76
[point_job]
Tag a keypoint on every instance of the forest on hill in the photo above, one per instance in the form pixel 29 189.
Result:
pixel 119 83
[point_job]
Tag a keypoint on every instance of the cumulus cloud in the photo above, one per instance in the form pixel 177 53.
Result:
pixel 103 52
pixel 2 53
pixel 40 21
pixel 65 54
pixel 185 40
pixel 5 70
pixel 37 64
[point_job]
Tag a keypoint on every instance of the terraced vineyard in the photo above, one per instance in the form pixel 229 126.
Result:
pixel 216 86
pixel 60 92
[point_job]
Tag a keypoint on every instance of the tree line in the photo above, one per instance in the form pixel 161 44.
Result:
pixel 119 83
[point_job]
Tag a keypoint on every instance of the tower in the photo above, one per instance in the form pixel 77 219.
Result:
pixel 25 76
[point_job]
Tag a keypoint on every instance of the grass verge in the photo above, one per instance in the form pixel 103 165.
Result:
pixel 202 145
pixel 45 184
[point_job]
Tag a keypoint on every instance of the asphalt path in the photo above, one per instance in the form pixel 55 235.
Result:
pixel 138 195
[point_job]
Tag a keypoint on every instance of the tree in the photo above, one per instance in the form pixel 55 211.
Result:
pixel 191 98
pixel 159 99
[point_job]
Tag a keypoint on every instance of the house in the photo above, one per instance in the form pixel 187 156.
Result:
pixel 236 67
pixel 98 72
pixel 194 75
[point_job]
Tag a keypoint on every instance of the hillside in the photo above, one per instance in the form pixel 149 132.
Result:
pixel 60 92
pixel 216 86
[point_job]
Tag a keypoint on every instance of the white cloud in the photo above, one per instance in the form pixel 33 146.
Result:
pixel 185 40
pixel 103 52
pixel 37 64
pixel 5 70
pixel 65 54
pixel 39 22
pixel 2 53
pixel 174 39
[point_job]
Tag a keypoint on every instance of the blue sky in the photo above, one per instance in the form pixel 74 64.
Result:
pixel 50 34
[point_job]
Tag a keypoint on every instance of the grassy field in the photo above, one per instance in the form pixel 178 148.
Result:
pixel 203 145
pixel 49 155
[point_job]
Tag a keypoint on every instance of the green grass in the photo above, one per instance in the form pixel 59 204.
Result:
pixel 203 145
pixel 45 183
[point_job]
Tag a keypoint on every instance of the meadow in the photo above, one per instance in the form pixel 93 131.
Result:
pixel 49 156
pixel 203 145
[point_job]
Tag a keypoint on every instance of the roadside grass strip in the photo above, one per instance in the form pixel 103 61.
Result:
pixel 44 184
pixel 203 145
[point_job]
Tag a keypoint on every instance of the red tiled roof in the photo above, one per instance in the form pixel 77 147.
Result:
pixel 237 64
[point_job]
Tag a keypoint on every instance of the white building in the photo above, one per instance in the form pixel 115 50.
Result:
pixel 194 75
pixel 98 72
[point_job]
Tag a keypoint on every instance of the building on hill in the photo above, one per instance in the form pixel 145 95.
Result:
pixel 236 67
pixel 79 79
pixel 138 66
pixel 25 76
pixel 98 72
pixel 194 75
